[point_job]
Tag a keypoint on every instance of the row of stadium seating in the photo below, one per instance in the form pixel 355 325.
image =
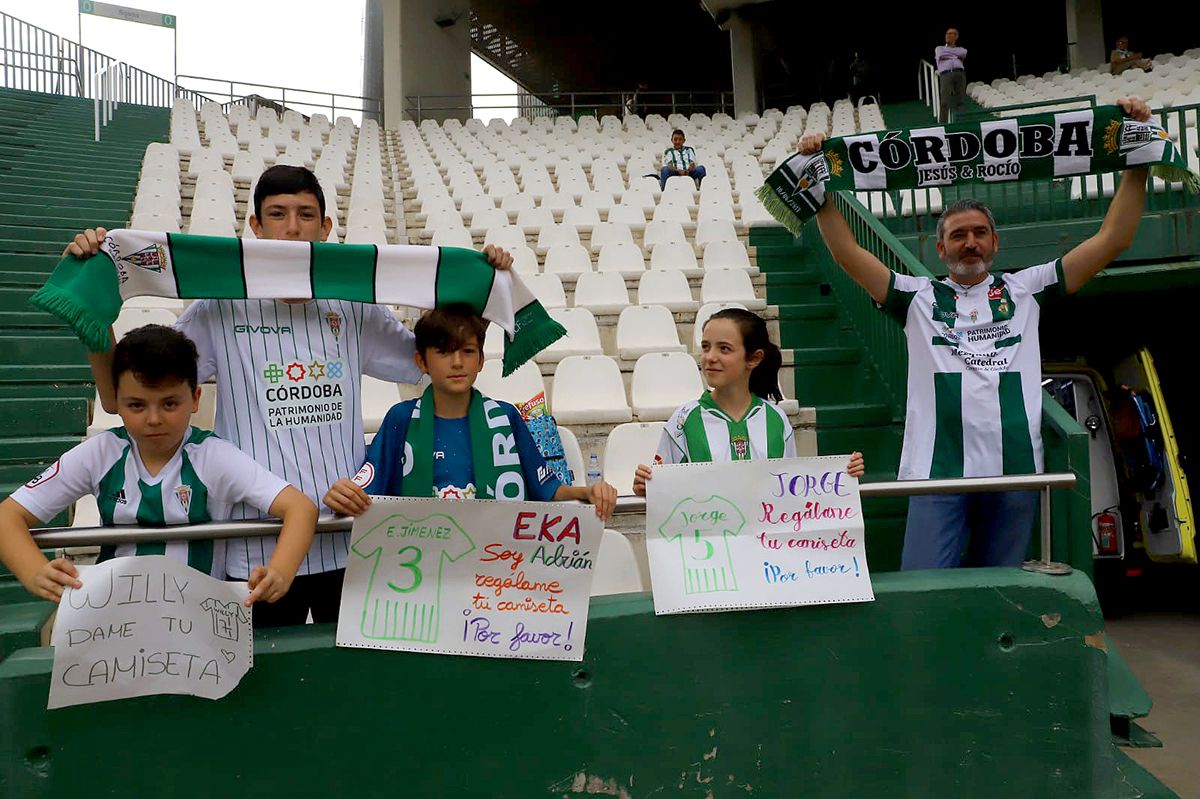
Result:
pixel 1174 81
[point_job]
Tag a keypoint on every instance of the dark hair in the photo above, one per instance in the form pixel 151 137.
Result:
pixel 155 354
pixel 284 179
pixel 957 207
pixel 677 130
pixel 449 329
pixel 764 380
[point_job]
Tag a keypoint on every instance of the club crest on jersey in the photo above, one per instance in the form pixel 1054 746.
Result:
pixel 334 320
pixel 741 446
pixel 152 258
pixel 184 494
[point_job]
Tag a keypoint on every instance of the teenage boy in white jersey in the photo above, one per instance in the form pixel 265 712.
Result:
pixel 289 383
pixel 974 366
pixel 154 470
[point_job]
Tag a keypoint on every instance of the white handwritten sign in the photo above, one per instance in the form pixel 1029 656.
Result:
pixel 149 625
pixel 755 534
pixel 470 577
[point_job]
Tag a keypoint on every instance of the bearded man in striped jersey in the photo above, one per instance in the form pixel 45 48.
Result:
pixel 974 366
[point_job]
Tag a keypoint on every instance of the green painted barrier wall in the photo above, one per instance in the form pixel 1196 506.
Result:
pixel 982 683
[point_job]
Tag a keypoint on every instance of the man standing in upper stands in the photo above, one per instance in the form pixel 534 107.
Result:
pixel 680 160
pixel 974 366
pixel 264 354
pixel 1122 59
pixel 952 75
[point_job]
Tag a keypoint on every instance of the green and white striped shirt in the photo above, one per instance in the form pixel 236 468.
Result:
pixel 203 480
pixel 700 432
pixel 289 394
pixel 679 159
pixel 974 372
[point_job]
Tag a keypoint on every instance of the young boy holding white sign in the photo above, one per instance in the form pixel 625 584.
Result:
pixel 156 470
pixel 738 419
pixel 453 442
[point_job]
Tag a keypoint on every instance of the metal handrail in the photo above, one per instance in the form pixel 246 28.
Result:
pixel 31 53
pixel 106 93
pixel 51 537
pixel 233 92
pixel 570 103
pixel 928 88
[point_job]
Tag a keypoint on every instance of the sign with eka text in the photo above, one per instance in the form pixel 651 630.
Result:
pixel 470 577
pixel 755 534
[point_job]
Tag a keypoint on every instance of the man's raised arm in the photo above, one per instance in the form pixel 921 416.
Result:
pixel 1120 224
pixel 864 268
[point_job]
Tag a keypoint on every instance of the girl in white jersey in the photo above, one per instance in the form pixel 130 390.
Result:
pixel 737 419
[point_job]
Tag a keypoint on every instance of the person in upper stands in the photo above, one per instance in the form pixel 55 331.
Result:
pixel 737 418
pixel 156 469
pixel 1122 58
pixel 256 348
pixel 950 60
pixel 679 159
pixel 975 366
pixel 441 445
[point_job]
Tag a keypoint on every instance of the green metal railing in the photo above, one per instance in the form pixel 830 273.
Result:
pixel 1065 442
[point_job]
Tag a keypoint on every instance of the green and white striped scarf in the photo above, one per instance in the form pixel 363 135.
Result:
pixel 494 460
pixel 1031 147
pixel 87 295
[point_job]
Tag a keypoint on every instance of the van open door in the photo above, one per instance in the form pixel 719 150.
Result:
pixel 1081 390
pixel 1145 436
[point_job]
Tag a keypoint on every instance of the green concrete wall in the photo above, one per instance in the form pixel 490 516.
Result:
pixel 981 683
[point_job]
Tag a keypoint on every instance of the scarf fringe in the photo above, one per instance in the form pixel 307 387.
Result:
pixel 779 210
pixel 1177 174
pixel 81 319
pixel 538 330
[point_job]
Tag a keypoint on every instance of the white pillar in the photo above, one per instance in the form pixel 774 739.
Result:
pixel 419 56
pixel 744 64
pixel 1085 34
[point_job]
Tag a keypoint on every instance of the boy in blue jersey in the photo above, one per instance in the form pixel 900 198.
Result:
pixel 453 442
pixel 156 470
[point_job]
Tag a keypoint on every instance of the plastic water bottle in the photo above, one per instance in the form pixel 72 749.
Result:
pixel 593 472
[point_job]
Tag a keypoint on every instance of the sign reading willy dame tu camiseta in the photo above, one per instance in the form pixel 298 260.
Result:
pixel 755 534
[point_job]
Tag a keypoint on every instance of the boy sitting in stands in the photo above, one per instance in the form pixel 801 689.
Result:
pixel 155 470
pixel 445 443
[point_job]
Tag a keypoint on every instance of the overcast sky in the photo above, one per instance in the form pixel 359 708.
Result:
pixel 308 45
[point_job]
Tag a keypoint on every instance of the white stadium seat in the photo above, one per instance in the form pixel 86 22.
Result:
pixel 730 285
pixel 630 445
pixel 567 259
pixel 643 329
pixel 626 259
pixel 521 386
pixel 616 570
pixel 583 336
pixel 666 287
pixel 548 290
pixel 602 292
pixel 662 381
pixel 588 389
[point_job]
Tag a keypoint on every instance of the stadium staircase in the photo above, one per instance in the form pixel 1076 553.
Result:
pixel 55 180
